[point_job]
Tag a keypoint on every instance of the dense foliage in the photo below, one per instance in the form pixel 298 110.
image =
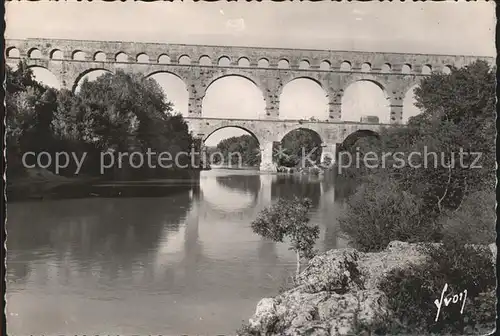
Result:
pixel 242 150
pixel 458 116
pixel 118 112
pixel 380 212
pixel 298 145
pixel 30 107
pixel 435 195
pixel 412 291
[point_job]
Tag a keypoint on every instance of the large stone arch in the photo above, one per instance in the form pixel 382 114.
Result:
pixel 304 150
pixel 231 156
pixel 377 80
pixel 409 109
pixel 219 102
pixel 85 73
pixel 211 130
pixel 303 97
pixel 169 71
pixel 222 73
pixel 309 76
pixel 45 76
pixel 349 141
pixel 312 130
pixel 179 94
pixel 381 104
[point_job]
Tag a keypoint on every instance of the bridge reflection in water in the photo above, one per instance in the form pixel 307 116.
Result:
pixel 187 263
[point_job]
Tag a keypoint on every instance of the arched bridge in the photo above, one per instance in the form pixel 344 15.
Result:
pixel 270 69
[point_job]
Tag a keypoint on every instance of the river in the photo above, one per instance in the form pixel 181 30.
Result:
pixel 184 263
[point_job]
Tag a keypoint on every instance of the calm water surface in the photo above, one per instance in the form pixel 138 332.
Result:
pixel 187 263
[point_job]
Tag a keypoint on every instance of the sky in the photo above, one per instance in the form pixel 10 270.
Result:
pixel 432 27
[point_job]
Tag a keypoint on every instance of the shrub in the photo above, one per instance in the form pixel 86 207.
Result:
pixel 474 222
pixel 289 218
pixel 246 330
pixel 411 291
pixel 380 212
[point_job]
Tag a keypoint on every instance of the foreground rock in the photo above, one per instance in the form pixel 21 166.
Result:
pixel 335 295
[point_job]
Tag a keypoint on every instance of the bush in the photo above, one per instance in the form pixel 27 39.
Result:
pixel 411 291
pixel 474 222
pixel 246 330
pixel 289 219
pixel 380 212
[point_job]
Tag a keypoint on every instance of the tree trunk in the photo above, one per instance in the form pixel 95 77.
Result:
pixel 297 271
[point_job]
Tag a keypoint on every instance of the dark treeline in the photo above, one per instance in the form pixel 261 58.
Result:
pixel 247 147
pixel 118 112
pixel 297 145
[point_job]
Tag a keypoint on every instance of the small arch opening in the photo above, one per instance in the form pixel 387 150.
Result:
pixel 224 61
pixel 325 65
pixel 283 64
pixel 35 53
pixel 345 66
pixel 263 63
pixel 78 55
pixel 304 64
pixel 426 69
pixel 205 60
pixel 386 68
pixel 142 58
pixel 447 69
pixel 184 59
pixel 13 52
pixel 56 54
pixel 99 56
pixel 121 57
pixel 243 62
pixel 406 69
pixel 164 59
pixel 366 67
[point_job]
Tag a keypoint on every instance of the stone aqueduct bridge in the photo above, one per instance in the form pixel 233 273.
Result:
pixel 270 69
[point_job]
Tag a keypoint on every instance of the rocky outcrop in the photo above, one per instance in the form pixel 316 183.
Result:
pixel 336 294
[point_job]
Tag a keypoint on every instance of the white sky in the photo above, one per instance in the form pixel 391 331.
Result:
pixel 430 27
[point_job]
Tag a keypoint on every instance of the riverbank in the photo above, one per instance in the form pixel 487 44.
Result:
pixel 40 184
pixel 338 294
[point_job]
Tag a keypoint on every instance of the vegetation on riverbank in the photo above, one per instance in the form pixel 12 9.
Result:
pixel 390 292
pixel 438 190
pixel 427 212
pixel 118 112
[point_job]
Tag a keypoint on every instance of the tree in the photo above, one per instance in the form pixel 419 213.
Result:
pixel 298 144
pixel 289 218
pixel 121 112
pixel 380 211
pixel 29 107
